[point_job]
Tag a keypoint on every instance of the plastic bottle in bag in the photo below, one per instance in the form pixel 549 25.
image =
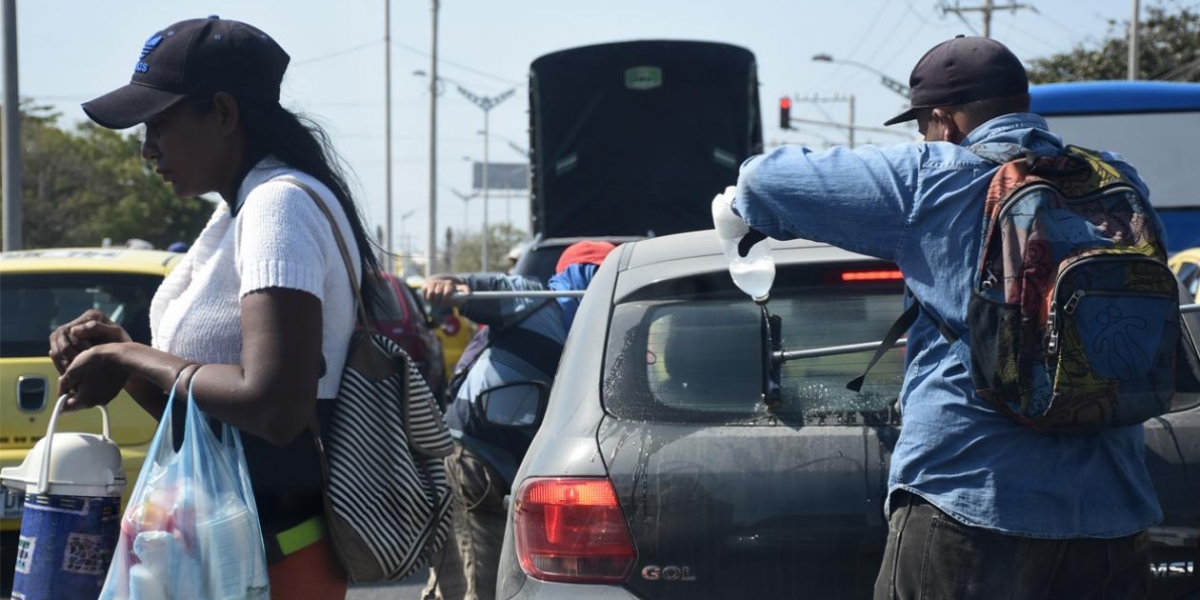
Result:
pixel 224 540
pixel 753 273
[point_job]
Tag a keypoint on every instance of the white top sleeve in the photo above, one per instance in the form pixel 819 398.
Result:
pixel 283 235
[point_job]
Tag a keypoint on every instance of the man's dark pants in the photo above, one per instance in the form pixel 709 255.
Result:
pixel 930 556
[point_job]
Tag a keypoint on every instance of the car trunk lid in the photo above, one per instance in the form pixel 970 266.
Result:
pixel 750 510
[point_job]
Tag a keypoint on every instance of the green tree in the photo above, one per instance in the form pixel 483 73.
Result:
pixel 89 183
pixel 467 252
pixel 1168 49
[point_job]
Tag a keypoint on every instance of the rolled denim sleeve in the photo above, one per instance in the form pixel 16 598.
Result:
pixel 860 199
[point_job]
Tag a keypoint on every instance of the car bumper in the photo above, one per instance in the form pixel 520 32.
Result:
pixel 534 589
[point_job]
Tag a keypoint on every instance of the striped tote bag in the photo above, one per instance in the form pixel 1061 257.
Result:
pixel 387 501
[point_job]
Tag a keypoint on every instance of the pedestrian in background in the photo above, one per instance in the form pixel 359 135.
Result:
pixel 258 315
pixel 980 505
pixel 525 338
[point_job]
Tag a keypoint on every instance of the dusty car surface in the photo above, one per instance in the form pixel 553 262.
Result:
pixel 660 471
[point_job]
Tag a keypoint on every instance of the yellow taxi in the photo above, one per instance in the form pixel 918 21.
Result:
pixel 453 329
pixel 40 290
pixel 1186 265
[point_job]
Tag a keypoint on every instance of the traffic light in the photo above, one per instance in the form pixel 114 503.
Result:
pixel 785 113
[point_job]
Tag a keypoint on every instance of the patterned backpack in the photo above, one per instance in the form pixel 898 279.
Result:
pixel 1074 319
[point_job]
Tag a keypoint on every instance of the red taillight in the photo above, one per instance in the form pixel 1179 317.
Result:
pixel 572 530
pixel 872 276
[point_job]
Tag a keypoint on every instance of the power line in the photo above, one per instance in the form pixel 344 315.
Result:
pixel 470 69
pixel 866 34
pixel 986 9
pixel 336 53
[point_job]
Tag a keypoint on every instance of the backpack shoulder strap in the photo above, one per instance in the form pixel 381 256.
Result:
pixel 901 325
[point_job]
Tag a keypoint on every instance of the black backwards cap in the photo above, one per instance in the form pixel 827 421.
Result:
pixel 963 70
pixel 194 58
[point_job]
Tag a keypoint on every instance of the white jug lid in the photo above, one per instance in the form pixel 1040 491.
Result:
pixel 69 464
pixel 81 464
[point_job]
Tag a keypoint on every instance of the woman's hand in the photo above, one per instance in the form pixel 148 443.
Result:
pixel 92 328
pixel 94 376
pixel 440 289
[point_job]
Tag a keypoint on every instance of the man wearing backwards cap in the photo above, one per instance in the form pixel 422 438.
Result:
pixel 980 506
pixel 523 341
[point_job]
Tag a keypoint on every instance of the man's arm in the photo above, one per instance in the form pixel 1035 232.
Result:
pixel 501 312
pixel 496 312
pixel 859 199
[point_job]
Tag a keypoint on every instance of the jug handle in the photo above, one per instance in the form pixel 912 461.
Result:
pixel 44 475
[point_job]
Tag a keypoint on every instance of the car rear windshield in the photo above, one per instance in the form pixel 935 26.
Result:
pixel 34 305
pixel 698 358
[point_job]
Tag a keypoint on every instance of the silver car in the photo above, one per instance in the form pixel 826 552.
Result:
pixel 673 463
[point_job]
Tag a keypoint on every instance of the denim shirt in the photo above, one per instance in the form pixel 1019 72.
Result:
pixel 920 205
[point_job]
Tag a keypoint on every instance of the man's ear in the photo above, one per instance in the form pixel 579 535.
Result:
pixel 228 112
pixel 951 125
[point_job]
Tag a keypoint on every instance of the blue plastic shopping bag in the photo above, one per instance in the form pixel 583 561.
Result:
pixel 190 531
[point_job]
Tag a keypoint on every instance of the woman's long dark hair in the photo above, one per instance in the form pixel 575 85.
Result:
pixel 303 145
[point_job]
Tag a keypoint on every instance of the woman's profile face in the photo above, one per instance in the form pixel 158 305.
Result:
pixel 186 146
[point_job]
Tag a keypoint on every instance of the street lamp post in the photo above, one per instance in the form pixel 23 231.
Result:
pixel 431 241
pixel 888 82
pixel 487 104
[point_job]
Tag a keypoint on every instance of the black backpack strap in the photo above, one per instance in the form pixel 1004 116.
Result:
pixel 889 339
pixel 902 324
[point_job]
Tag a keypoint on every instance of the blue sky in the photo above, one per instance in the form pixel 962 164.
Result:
pixel 73 50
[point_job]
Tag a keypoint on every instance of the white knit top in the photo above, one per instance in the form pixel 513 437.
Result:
pixel 279 238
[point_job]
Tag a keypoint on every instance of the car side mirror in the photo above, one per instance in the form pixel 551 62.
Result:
pixel 516 404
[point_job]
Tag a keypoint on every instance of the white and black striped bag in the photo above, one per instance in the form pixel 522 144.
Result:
pixel 387 501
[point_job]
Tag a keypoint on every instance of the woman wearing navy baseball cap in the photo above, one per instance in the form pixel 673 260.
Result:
pixel 259 313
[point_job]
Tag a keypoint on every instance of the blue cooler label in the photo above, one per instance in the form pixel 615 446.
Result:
pixel 66 545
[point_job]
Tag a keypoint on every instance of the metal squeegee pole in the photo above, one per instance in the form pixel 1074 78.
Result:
pixel 852 348
pixel 525 294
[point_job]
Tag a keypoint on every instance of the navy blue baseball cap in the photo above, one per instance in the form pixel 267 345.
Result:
pixel 194 58
pixel 963 70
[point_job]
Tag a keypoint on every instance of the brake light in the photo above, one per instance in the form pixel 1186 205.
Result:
pixel 572 529
pixel 872 276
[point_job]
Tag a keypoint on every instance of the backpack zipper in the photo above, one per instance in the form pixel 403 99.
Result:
pixel 1072 302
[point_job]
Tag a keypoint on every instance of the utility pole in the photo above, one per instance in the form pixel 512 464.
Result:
pixel 487 104
pixel 431 240
pixel 12 132
pixel 849 126
pixel 1133 41
pixel 987 9
pixel 387 127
